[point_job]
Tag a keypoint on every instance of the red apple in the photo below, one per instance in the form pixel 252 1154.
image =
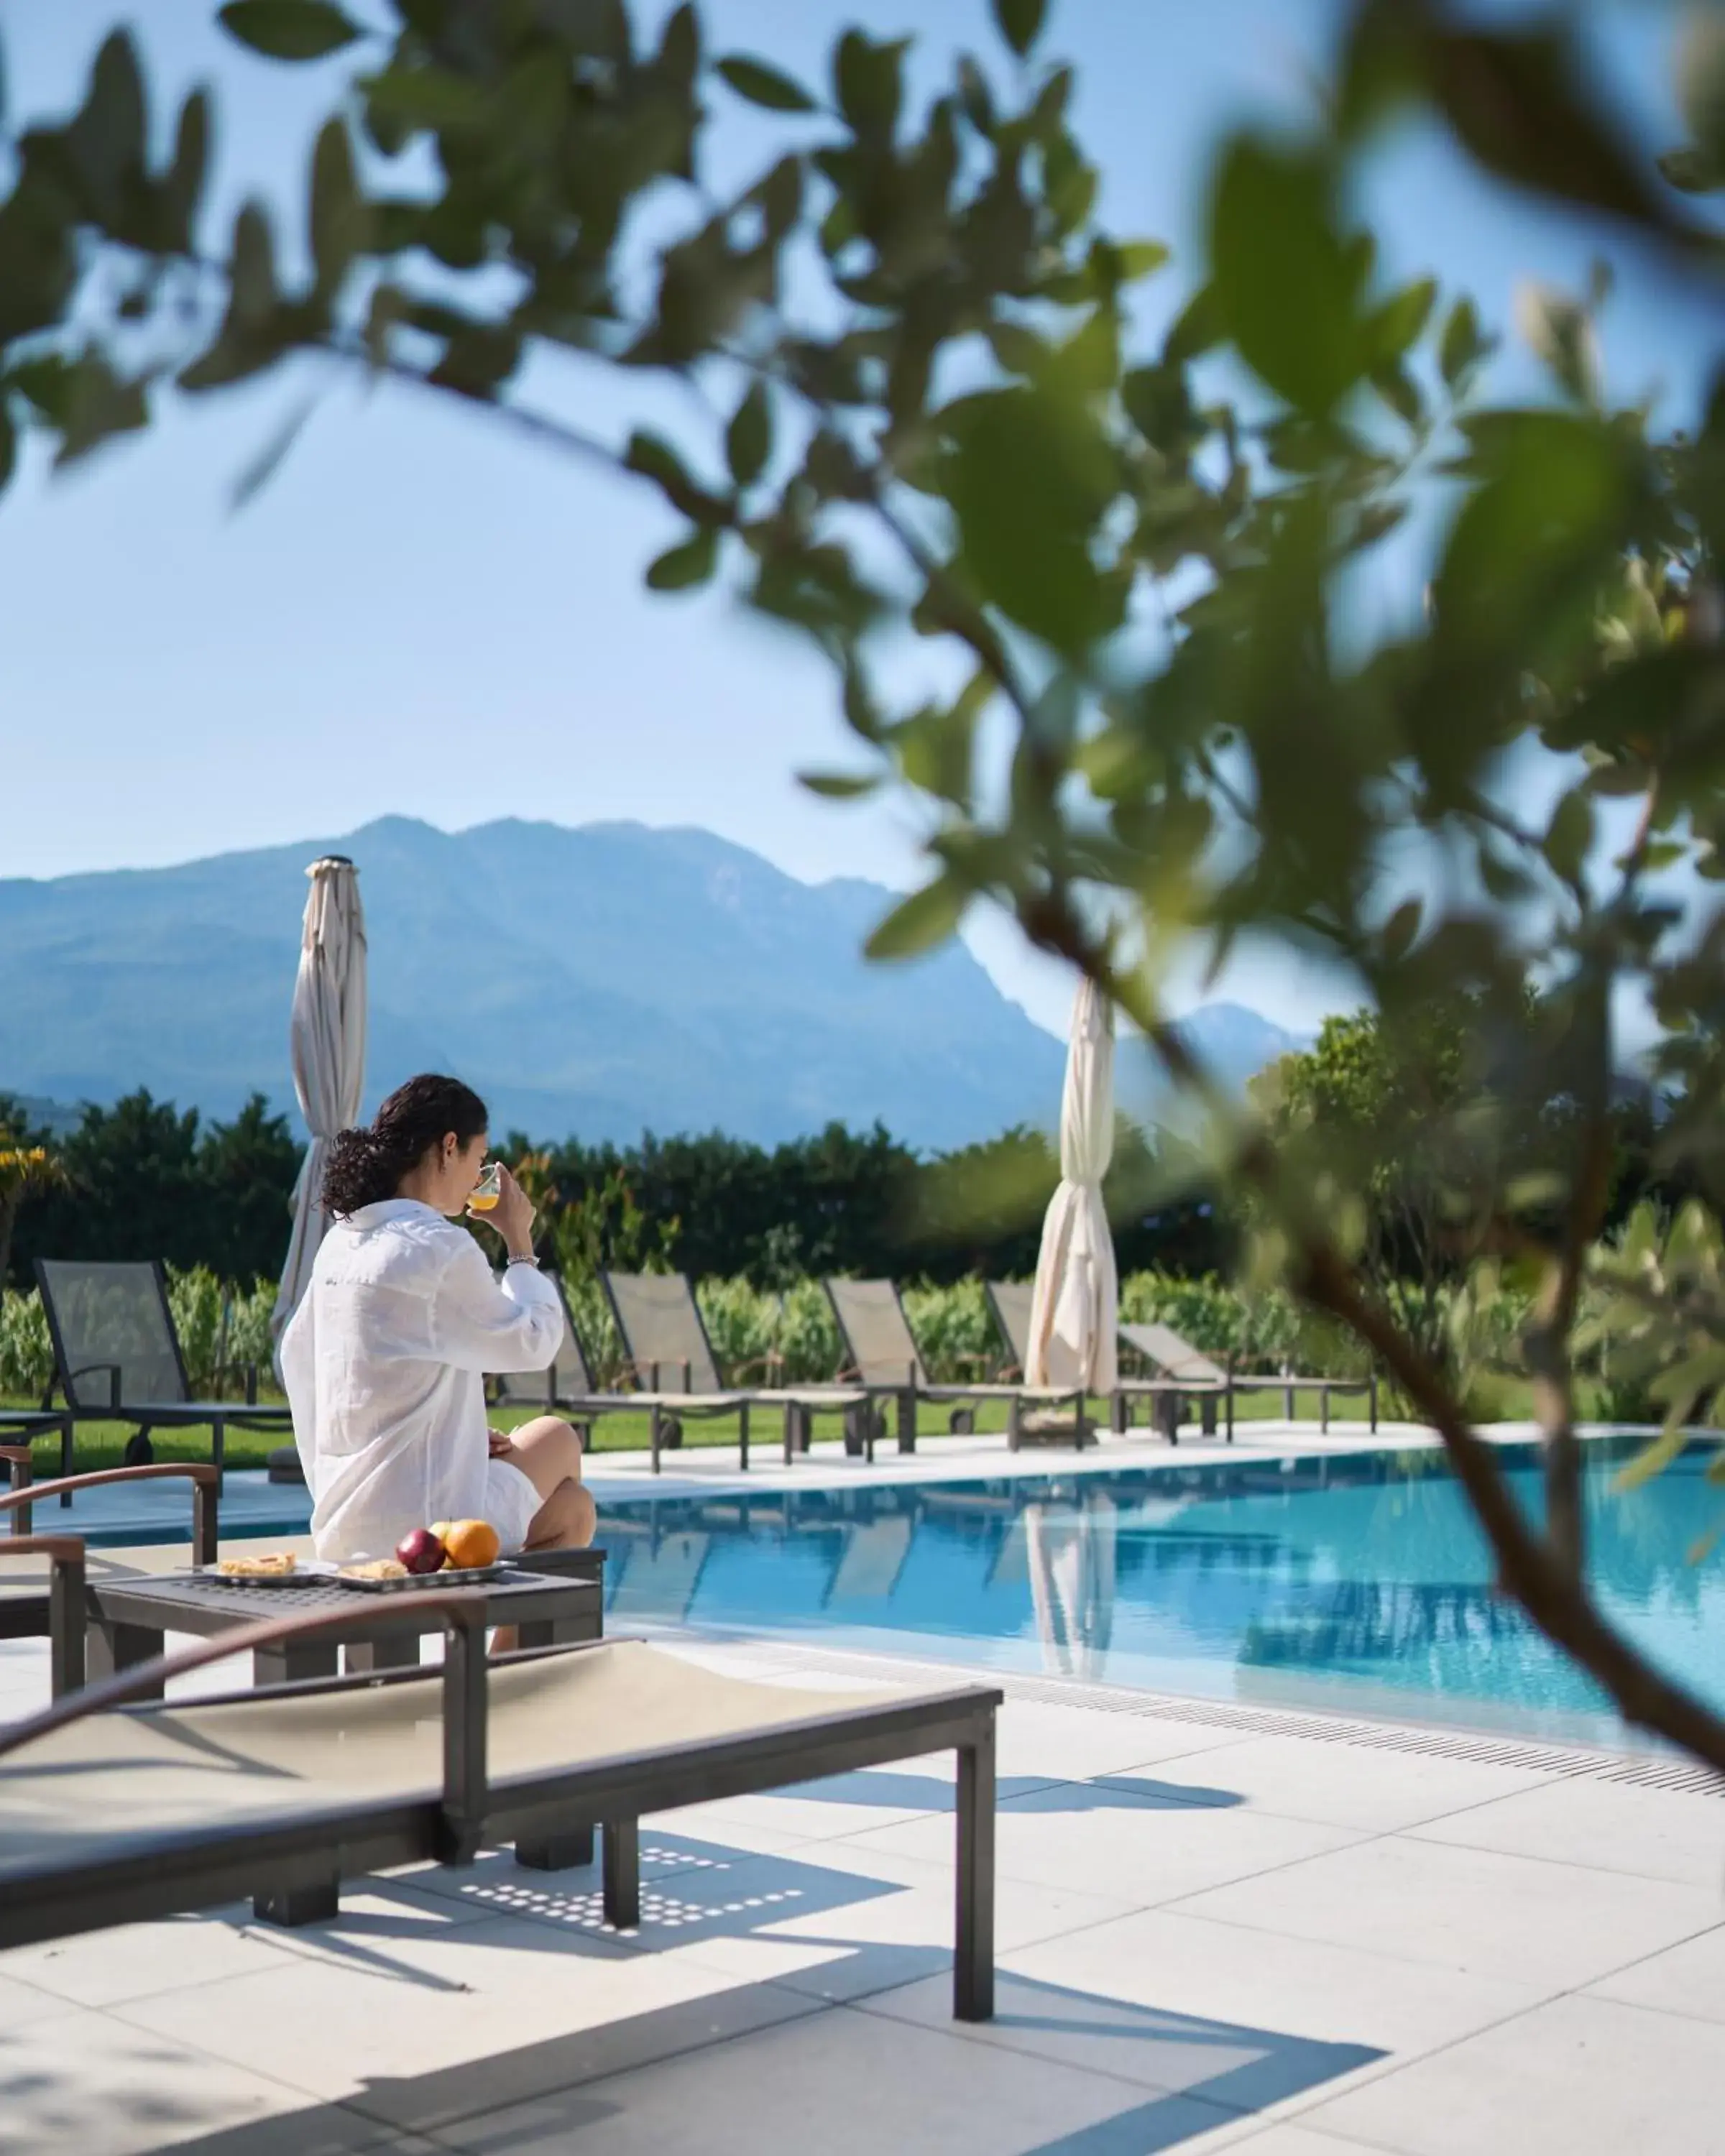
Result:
pixel 420 1551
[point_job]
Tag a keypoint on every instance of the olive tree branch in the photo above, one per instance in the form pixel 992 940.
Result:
pixel 1553 1592
pixel 1549 1354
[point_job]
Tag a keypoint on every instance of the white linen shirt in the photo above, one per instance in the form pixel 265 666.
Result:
pixel 384 1362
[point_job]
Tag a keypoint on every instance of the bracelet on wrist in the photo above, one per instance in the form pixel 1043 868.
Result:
pixel 525 1258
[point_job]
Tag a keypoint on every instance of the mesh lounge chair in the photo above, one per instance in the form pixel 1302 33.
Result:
pixel 1009 1305
pixel 882 1354
pixel 665 1340
pixel 1179 1371
pixel 117 1358
pixel 1010 1302
pixel 565 1381
pixel 112 1817
pixel 566 1385
pixel 1171 1357
pixel 1176 1361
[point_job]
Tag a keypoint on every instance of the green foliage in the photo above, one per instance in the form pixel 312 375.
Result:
pixel 953 1328
pixel 144 1179
pixel 289 29
pixel 1651 1318
pixel 759 1335
pixel 223 1327
pixel 1143 584
pixel 26 1350
pixel 1400 1128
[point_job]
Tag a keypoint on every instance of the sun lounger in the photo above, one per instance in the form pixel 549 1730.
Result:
pixel 567 1385
pixel 881 1354
pixel 1009 1306
pixel 665 1338
pixel 1009 1303
pixel 1171 1357
pixel 117 1358
pixel 111 1814
pixel 1181 1369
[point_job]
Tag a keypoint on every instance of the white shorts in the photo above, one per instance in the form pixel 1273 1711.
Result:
pixel 510 1501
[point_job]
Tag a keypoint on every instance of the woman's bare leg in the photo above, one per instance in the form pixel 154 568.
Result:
pixel 548 1453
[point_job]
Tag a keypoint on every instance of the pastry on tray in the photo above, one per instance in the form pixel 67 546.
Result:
pixel 376 1568
pixel 273 1565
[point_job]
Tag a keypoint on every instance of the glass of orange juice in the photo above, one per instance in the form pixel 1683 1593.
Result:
pixel 487 1190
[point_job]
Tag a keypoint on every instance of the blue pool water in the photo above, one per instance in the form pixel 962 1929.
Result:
pixel 1353 1581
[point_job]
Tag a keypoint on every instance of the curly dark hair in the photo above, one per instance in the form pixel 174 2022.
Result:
pixel 366 1165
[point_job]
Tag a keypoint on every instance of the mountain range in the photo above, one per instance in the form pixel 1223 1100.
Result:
pixel 597 981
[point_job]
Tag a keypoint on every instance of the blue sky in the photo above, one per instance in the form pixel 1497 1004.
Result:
pixel 421 616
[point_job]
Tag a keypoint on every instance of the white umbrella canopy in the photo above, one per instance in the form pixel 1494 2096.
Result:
pixel 327 1040
pixel 1075 1305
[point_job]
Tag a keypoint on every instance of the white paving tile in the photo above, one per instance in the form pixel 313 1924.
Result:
pixel 1039 1740
pixel 1609 1826
pixel 1283 2138
pixel 839 1805
pixel 1116 1840
pixel 864 1921
pixel 1578 2075
pixel 1231 2065
pixel 849 2084
pixel 105 1969
pixel 1515 1919
pixel 1297 1988
pixel 1071 1742
pixel 1689 1979
pixel 1376 1789
pixel 464 2019
pixel 496 1885
pixel 22 2004
pixel 85 2084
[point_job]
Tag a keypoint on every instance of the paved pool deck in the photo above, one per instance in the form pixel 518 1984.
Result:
pixel 618 1477
pixel 1221 1927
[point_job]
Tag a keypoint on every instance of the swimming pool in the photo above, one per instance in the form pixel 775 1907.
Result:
pixel 1352 1581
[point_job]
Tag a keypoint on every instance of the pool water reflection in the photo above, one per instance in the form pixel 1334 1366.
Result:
pixel 1355 1580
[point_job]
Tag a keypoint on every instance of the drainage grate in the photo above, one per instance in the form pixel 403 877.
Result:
pixel 1648 1771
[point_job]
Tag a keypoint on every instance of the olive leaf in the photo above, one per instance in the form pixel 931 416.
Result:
pixel 290 30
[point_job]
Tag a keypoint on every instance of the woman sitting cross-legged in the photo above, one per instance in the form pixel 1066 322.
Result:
pixel 384 1360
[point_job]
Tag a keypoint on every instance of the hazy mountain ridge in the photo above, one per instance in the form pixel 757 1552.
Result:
pixel 599 981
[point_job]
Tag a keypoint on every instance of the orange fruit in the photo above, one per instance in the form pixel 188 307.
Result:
pixel 471 1542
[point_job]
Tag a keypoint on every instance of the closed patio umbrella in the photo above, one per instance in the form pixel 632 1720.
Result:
pixel 1076 1302
pixel 327 1041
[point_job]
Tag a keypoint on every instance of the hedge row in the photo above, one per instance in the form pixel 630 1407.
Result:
pixel 753 1330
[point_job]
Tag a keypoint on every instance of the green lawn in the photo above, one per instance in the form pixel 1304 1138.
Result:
pixel 100 1444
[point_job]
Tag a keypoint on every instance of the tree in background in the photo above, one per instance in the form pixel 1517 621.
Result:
pixel 246 1171
pixel 144 1179
pixel 29 1166
pixel 980 1209
pixel 949 425
pixel 1404 1123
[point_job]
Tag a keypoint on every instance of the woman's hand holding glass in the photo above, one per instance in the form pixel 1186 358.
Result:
pixel 511 1216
